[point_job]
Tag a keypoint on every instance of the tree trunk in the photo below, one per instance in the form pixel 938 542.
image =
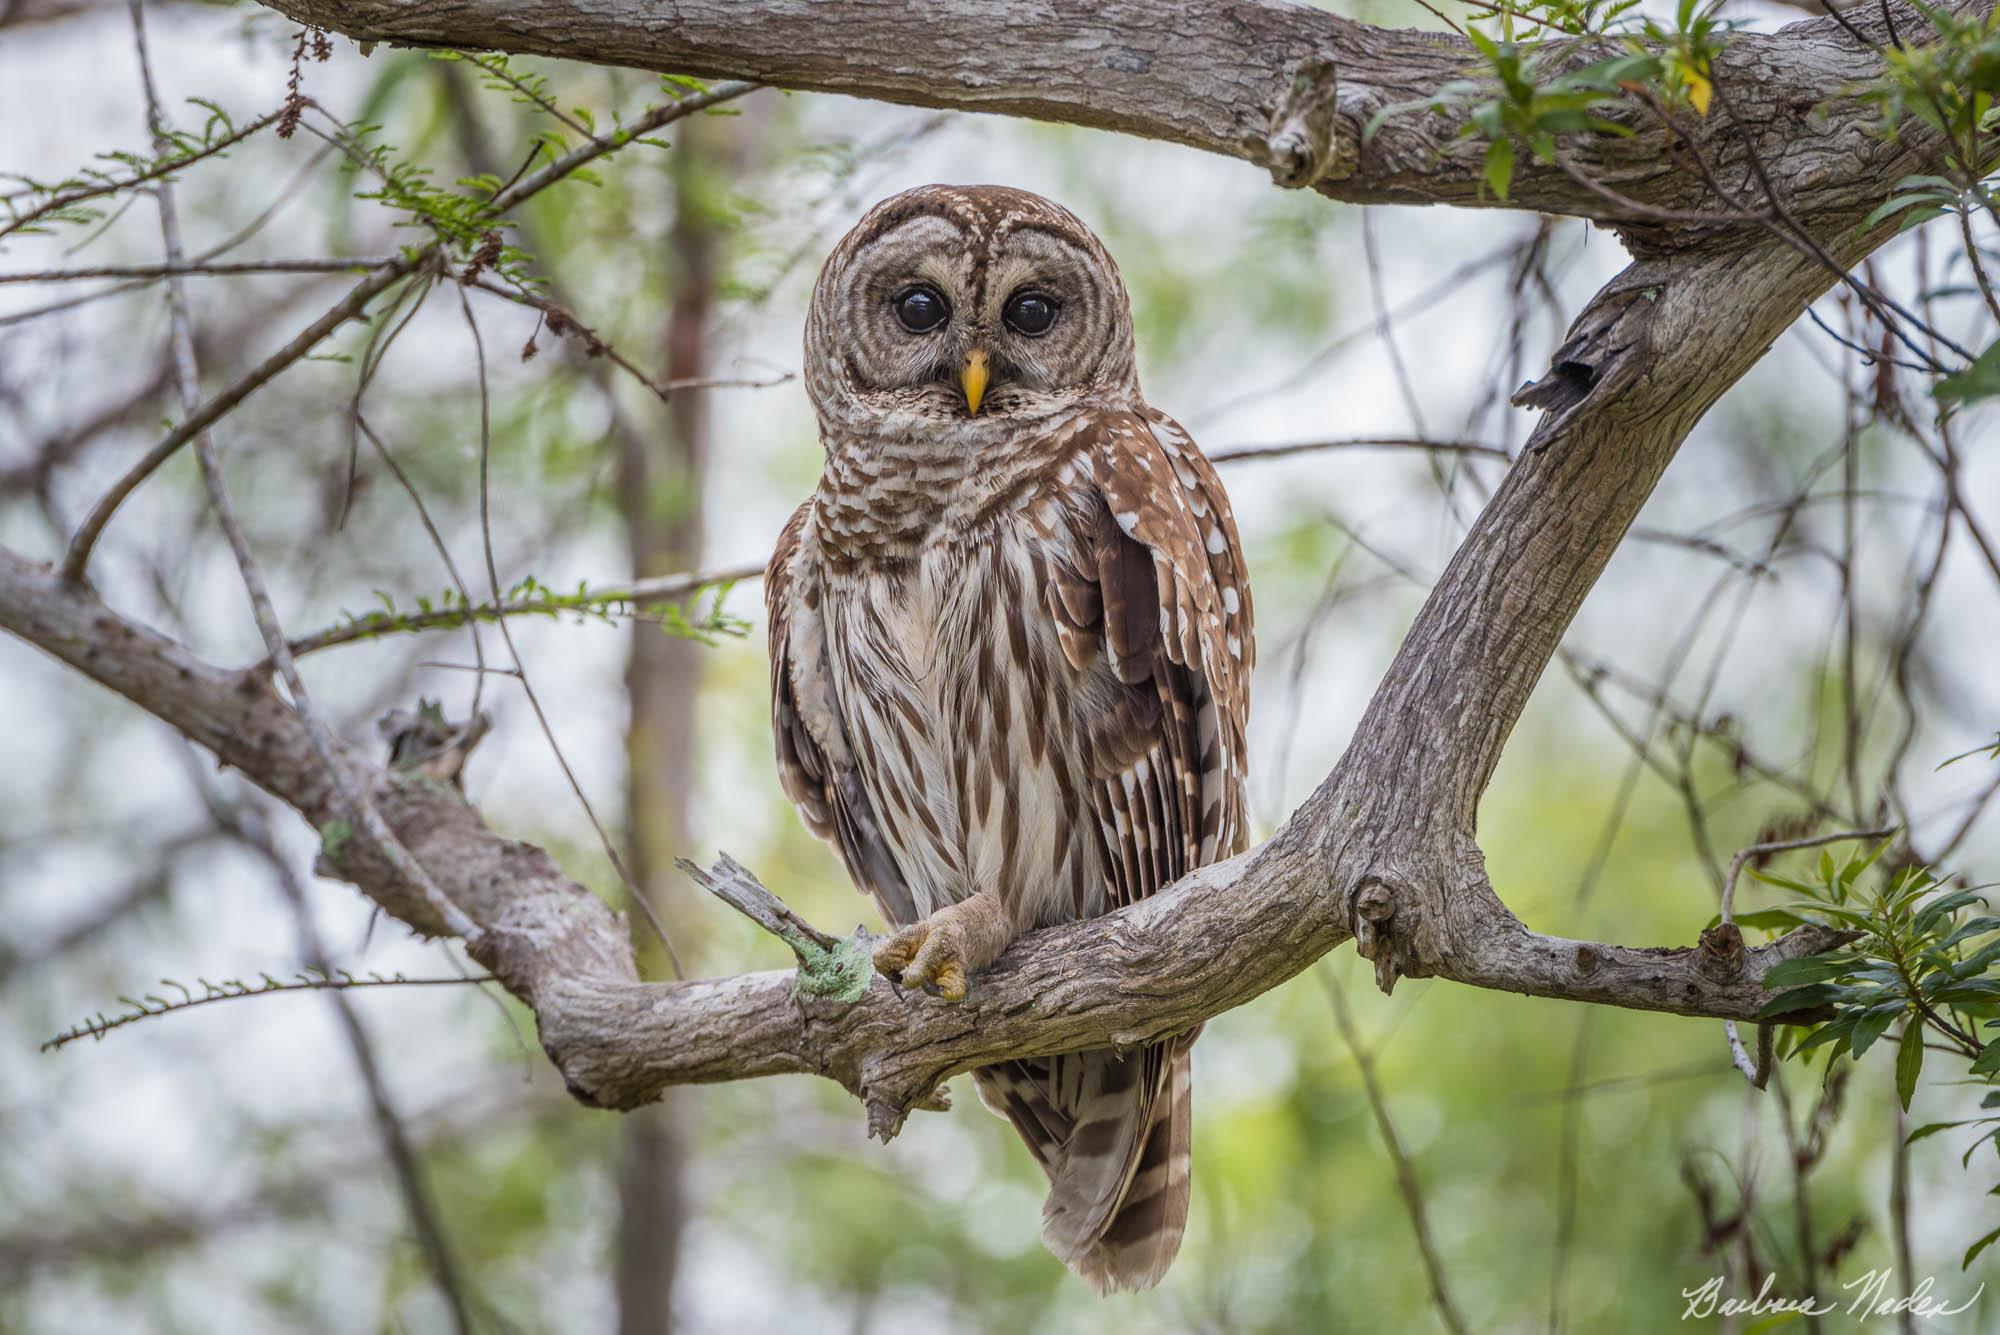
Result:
pixel 660 490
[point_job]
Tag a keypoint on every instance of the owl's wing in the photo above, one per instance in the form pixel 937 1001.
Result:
pixel 815 763
pixel 1161 592
pixel 1152 608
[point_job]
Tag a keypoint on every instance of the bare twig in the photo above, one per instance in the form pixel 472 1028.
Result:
pixel 250 827
pixel 201 416
pixel 737 886
pixel 638 897
pixel 360 807
pixel 597 146
pixel 1407 1186
pixel 1242 453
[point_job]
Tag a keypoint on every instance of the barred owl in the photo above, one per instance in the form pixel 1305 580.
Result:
pixel 1010 654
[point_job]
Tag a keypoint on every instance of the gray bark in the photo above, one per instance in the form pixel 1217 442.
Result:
pixel 1233 77
pixel 1385 851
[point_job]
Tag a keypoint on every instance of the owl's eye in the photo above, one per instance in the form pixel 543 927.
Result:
pixel 922 309
pixel 1030 313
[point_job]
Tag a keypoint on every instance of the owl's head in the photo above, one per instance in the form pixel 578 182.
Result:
pixel 967 303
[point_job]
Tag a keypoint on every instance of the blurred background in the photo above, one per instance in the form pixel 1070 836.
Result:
pixel 1793 633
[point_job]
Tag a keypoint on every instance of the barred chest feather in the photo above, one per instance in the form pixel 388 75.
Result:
pixel 963 711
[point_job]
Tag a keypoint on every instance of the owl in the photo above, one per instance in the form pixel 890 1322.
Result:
pixel 1011 645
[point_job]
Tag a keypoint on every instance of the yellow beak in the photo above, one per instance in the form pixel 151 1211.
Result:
pixel 973 377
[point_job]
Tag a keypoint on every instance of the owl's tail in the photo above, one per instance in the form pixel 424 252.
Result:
pixel 1112 1133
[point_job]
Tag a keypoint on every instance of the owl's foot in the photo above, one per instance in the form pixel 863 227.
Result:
pixel 940 951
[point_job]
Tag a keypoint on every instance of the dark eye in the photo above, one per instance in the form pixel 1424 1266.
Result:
pixel 922 309
pixel 1029 313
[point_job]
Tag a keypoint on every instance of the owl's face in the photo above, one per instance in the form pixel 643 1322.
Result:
pixel 975 304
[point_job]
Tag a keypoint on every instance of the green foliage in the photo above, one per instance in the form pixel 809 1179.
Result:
pixel 153 1005
pixel 462 220
pixel 40 206
pixel 689 619
pixel 1948 83
pixel 1981 380
pixel 1527 96
pixel 1920 957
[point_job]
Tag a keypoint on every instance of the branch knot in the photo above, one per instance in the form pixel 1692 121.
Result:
pixel 1306 144
pixel 1383 917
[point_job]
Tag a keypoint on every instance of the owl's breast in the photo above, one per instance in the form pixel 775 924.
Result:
pixel 959 706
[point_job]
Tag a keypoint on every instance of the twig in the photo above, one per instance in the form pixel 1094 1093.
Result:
pixel 638 593
pixel 158 172
pixel 562 321
pixel 728 382
pixel 1406 1174
pixel 1652 212
pixel 99 1026
pixel 1745 855
pixel 250 827
pixel 1241 453
pixel 356 804
pixel 287 192
pixel 437 542
pixel 638 897
pixel 1566 1174
pixel 535 182
pixel 735 885
pixel 201 416
pixel 197 268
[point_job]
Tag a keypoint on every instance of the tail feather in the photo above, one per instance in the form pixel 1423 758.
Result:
pixel 1113 1135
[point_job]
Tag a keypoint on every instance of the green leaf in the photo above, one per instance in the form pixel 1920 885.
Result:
pixel 1841 1029
pixel 1988 1060
pixel 1811 969
pixel 1500 167
pixel 1896 205
pixel 1936 910
pixel 1972 1252
pixel 1974 927
pixel 1801 999
pixel 1981 380
pixel 1870 1026
pixel 1784 883
pixel 1766 919
pixel 1909 1061
pixel 1932 1128
pixel 1863 863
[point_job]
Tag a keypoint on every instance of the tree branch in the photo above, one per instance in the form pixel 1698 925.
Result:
pixel 1282 85
pixel 1213 941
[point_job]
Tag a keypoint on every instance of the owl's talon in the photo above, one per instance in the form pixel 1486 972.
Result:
pixel 925 956
pixel 894 955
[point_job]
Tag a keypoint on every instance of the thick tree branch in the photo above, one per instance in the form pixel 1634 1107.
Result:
pixel 1214 941
pixel 1282 85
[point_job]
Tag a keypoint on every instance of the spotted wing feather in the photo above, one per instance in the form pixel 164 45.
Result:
pixel 1157 593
